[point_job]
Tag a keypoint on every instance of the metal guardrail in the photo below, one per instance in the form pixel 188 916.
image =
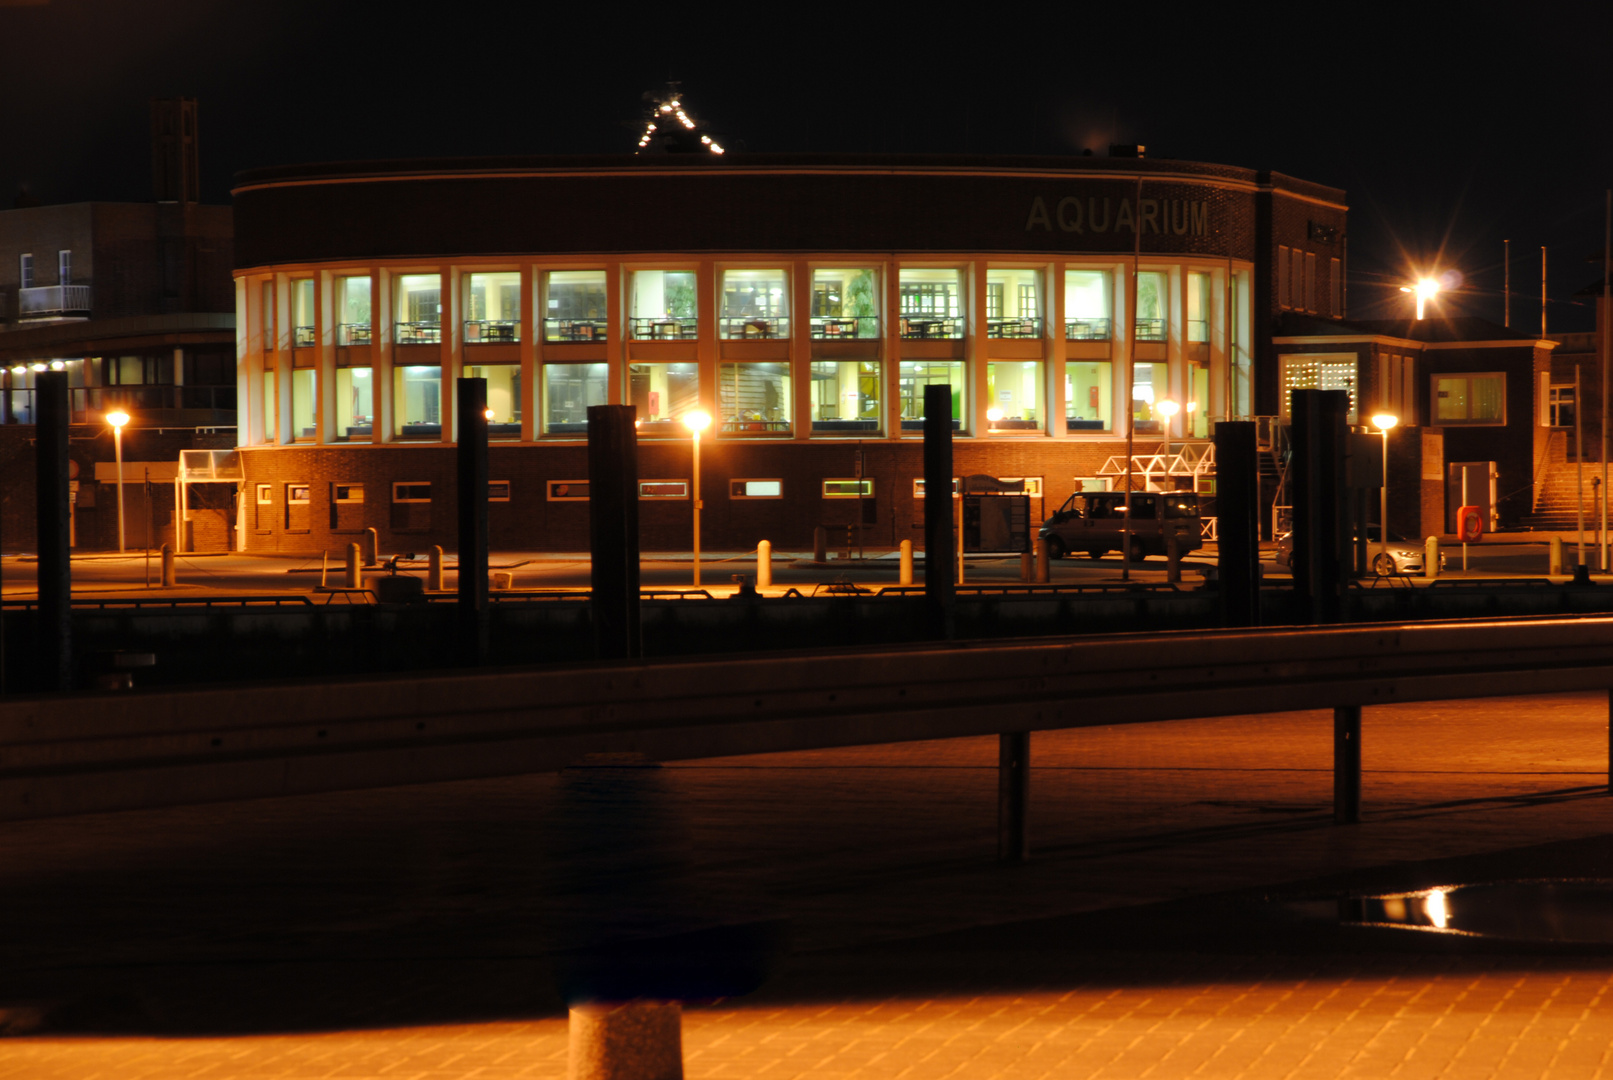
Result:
pixel 73 754
pixel 152 603
pixel 53 300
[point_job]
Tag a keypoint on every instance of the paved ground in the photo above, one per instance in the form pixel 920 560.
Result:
pixel 414 932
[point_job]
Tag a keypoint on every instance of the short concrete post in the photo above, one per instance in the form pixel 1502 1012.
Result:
pixel 1044 569
pixel 434 568
pixel 372 547
pixel 167 566
pixel 820 545
pixel 1347 765
pixel 635 1040
pixel 1556 564
pixel 906 576
pixel 1431 557
pixel 764 564
pixel 1027 566
pixel 352 579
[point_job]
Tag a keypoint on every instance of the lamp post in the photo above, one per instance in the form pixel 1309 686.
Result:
pixel 1168 409
pixel 993 415
pixel 117 419
pixel 696 422
pixel 1424 290
pixel 1383 422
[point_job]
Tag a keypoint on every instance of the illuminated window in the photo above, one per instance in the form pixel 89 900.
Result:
pixel 755 304
pixel 931 302
pixel 347 493
pixel 304 402
pixel 754 399
pixel 915 376
pixel 1150 306
pixel 492 307
pixel 302 313
pixel 845 304
pixel 1470 399
pixel 419 309
pixel 1014 388
pixel 756 489
pixel 1014 303
pixel 574 305
pixel 848 489
pixel 1198 306
pixel 353 310
pixel 568 391
pixel 1088 395
pixel 355 403
pixel 663 489
pixel 1087 307
pixel 663 392
pixel 664 305
pixel 1331 371
pixel 846 396
pixel 417 402
pixel 503 397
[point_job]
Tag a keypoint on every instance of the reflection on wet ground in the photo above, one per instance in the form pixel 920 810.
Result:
pixel 1548 911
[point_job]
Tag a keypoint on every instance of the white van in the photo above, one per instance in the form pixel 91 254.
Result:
pixel 1094 522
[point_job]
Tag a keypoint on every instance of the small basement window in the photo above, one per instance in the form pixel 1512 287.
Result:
pixel 756 489
pixel 347 493
pixel 568 490
pixel 298 493
pixel 498 491
pixel 411 491
pixel 663 489
pixel 848 489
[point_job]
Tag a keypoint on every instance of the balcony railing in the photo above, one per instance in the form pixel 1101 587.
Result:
pixel 666 329
pixel 1014 328
pixel 491 330
pixel 43 301
pixel 1150 329
pixel 419 333
pixel 931 326
pixel 353 333
pixel 734 327
pixel 302 337
pixel 1086 330
pixel 574 330
pixel 836 328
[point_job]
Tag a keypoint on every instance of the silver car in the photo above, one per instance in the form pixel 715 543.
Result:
pixel 1403 556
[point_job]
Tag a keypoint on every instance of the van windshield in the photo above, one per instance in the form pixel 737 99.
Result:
pixel 1181 506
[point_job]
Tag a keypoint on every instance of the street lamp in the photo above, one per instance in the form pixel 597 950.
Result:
pixel 1168 409
pixel 993 415
pixel 117 418
pixel 1383 422
pixel 1424 290
pixel 696 422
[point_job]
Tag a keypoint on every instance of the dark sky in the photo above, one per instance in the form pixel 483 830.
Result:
pixel 1449 130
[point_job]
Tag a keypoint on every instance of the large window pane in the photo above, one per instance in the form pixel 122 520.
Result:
pixel 915 376
pixel 574 305
pixel 1014 303
pixel 493 307
pixel 1198 306
pixel 419 309
pixel 931 303
pixel 1318 372
pixel 271 407
pixel 304 403
pixel 1014 388
pixel 568 390
pixel 417 402
pixel 1151 306
pixel 846 396
pixel 755 304
pixel 1470 399
pixel 1148 383
pixel 1088 395
pixel 302 313
pixel 754 398
pixel 664 304
pixel 1196 409
pixel 845 304
pixel 663 392
pixel 353 311
pixel 355 403
pixel 503 398
pixel 1087 309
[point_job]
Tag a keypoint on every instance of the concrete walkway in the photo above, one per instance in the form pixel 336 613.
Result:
pixel 409 933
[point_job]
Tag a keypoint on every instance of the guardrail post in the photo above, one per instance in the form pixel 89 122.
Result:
pixel 169 578
pixel 1347 765
pixel 472 486
pixel 939 589
pixel 764 564
pixel 1013 791
pixel 905 577
pixel 1044 570
pixel 353 579
pixel 53 524
pixel 613 531
pixel 372 548
pixel 434 568
pixel 1237 521
pixel 1431 557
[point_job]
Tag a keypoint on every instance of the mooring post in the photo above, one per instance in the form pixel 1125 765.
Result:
pixel 1321 520
pixel 939 589
pixel 1013 793
pixel 1237 525
pixel 55 568
pixel 1347 765
pixel 613 531
pixel 473 520
pixel 764 564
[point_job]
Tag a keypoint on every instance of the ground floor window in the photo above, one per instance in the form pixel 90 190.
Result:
pixel 846 396
pixel 663 489
pixel 417 402
pixel 849 489
pixel 1470 399
pixel 568 391
pixel 1196 409
pixel 271 410
pixel 756 489
pixel 1014 389
pixel 503 398
pixel 1319 372
pixel 1148 385
pixel 663 392
pixel 1088 395
pixel 754 398
pixel 355 403
pixel 304 403
pixel 915 376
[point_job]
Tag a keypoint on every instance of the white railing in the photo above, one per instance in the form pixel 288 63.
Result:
pixel 1195 459
pixel 53 300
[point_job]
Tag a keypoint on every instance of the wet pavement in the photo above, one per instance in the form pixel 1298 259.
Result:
pixel 419 931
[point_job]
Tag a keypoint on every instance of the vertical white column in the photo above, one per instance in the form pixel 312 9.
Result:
pixel 325 371
pixel 976 348
pixel 453 349
pixel 707 307
pixel 284 335
pixel 1055 348
pixel 249 423
pixel 531 332
pixel 801 348
pixel 1120 345
pixel 1176 350
pixel 616 349
pixel 382 328
pixel 891 353
pixel 1220 373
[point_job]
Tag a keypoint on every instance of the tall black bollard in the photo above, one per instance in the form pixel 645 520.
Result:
pixel 1237 521
pixel 939 588
pixel 1321 520
pixel 1013 795
pixel 473 631
pixel 51 500
pixel 613 531
pixel 1347 765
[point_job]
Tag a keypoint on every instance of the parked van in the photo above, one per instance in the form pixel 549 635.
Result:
pixel 1094 522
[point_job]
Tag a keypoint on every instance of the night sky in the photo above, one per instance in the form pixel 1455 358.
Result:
pixel 1449 129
